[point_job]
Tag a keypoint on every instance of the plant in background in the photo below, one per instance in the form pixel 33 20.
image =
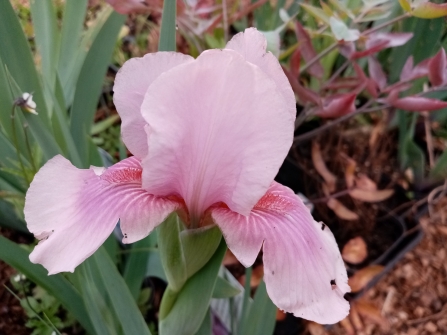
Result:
pixel 359 83
pixel 177 117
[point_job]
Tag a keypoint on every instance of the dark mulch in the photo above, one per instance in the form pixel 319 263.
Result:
pixel 12 316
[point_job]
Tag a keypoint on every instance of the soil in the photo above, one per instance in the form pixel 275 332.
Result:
pixel 12 316
pixel 412 299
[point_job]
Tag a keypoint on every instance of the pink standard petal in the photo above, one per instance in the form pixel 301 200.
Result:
pixel 131 84
pixel 303 268
pixel 74 210
pixel 252 45
pixel 220 130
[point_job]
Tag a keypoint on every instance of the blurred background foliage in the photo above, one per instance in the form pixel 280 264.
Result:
pixel 66 53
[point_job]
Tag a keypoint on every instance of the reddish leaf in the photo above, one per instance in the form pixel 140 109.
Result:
pixel 371 86
pixel 349 83
pixel 295 61
pixel 346 49
pixel 369 51
pixel 376 72
pixel 391 39
pixel 337 106
pixel 437 69
pixel 379 41
pixel 308 51
pixel 304 94
pixel 409 72
pixel 398 87
pixel 418 104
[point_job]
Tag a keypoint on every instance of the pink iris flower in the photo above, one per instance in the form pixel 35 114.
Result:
pixel 208 136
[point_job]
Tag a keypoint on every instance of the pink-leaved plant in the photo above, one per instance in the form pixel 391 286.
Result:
pixel 208 136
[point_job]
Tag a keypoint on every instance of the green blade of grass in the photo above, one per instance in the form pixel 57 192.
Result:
pixel 168 26
pixel 89 84
pixel 121 299
pixel 47 37
pixel 71 32
pixel 136 264
pixel 15 53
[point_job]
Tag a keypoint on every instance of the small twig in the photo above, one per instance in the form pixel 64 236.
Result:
pixel 334 195
pixel 364 109
pixel 440 192
pixel 16 144
pixel 225 19
pixel 302 116
pixel 429 139
pixel 383 25
pixel 28 147
pixel 429 317
pixel 315 132
pixel 337 73
pixel 318 57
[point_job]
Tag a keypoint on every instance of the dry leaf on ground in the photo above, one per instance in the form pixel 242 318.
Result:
pixel 362 277
pixel 370 196
pixel 350 171
pixel 341 211
pixel 355 251
pixel 372 313
pixel 321 167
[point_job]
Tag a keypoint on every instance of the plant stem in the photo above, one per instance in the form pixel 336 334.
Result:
pixel 385 24
pixel 318 57
pixel 225 20
pixel 337 73
pixel 247 289
pixel 16 144
pixel 334 195
pixel 28 148
pixel 315 132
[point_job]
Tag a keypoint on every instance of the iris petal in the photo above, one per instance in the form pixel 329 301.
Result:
pixel 131 84
pixel 303 269
pixel 252 45
pixel 220 130
pixel 73 210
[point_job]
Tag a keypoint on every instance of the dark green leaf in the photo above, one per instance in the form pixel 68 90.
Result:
pixel 224 289
pixel 261 317
pixel 192 303
pixel 171 251
pixel 15 53
pixel 122 302
pixel 168 27
pixel 90 81
pixel 136 264
pixel 47 37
